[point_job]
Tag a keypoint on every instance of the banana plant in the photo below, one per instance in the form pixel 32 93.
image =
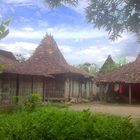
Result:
pixel 3 28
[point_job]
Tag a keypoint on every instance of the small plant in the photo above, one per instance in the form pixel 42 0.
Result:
pixel 32 101
pixel 15 99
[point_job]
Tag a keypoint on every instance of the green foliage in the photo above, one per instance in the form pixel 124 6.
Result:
pixel 122 61
pixel 3 28
pixel 15 99
pixel 88 67
pixel 109 67
pixel 9 109
pixel 51 123
pixel 32 101
pixel 1 68
pixel 20 57
pixel 115 16
pixel 57 3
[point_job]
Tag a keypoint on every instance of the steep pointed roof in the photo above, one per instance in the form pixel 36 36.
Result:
pixel 108 64
pixel 129 73
pixel 47 59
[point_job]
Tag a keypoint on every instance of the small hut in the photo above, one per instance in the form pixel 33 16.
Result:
pixel 123 83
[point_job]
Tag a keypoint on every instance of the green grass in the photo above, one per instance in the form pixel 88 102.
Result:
pixel 52 123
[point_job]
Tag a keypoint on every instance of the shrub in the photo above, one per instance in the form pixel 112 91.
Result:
pixel 32 101
pixel 51 123
pixel 15 99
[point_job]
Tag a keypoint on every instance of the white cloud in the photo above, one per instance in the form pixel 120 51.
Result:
pixel 59 32
pixel 19 47
pixel 66 49
pixel 26 34
pixel 38 3
pixel 28 29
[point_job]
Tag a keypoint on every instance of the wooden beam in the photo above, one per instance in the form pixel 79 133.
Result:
pixel 130 94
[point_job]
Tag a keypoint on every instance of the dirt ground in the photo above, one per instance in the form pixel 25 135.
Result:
pixel 114 109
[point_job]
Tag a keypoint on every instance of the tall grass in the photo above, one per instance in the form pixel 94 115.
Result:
pixel 51 123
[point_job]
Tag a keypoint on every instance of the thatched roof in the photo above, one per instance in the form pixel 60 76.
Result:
pixel 129 73
pixel 47 59
pixel 108 64
pixel 11 65
pixel 7 54
pixel 8 62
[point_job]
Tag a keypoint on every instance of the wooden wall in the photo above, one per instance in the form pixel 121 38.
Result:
pixel 54 88
pixel 14 85
pixel 76 87
pixel 60 87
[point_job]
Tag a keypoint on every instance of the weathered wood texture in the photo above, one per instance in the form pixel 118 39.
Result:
pixel 7 88
pixel 54 88
pixel 75 87
pixel 13 85
pixel 60 87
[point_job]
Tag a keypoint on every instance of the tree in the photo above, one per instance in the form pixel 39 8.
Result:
pixel 57 3
pixel 20 57
pixel 3 28
pixel 110 66
pixel 3 33
pixel 122 61
pixel 115 16
pixel 88 67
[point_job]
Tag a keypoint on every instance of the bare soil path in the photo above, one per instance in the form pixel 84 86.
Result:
pixel 114 109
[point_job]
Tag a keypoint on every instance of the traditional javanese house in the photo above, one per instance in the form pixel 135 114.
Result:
pixel 45 72
pixel 121 84
pixel 15 81
pixel 67 80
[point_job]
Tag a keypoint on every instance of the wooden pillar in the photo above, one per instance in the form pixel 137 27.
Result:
pixel 69 88
pixel 43 89
pixel 32 80
pixel 130 94
pixel 17 88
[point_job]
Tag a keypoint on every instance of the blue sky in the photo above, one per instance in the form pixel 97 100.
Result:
pixel 77 39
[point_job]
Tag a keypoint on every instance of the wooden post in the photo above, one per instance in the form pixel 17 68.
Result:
pixel 17 88
pixel 130 94
pixel 43 89
pixel 32 84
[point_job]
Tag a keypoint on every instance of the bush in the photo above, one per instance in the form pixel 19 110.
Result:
pixel 32 101
pixel 51 123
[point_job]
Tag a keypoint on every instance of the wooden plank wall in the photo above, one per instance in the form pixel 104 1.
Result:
pixel 7 88
pixel 54 88
pixel 26 85
pixel 76 88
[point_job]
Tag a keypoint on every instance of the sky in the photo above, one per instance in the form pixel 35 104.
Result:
pixel 78 40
